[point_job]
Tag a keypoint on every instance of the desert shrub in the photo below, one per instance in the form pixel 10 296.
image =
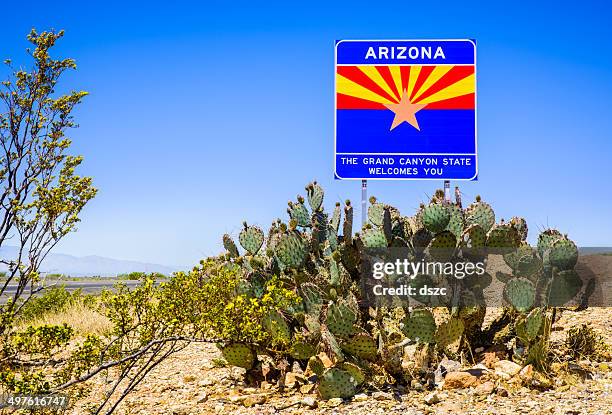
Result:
pixel 221 311
pixel 137 275
pixel 52 300
pixel 584 342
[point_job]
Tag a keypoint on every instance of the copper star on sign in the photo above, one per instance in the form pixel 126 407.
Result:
pixel 405 111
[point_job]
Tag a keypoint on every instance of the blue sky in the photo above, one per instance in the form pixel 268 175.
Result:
pixel 202 115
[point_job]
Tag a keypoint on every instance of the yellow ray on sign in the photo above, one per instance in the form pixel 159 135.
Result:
pixel 463 87
pixel 347 87
pixel 434 76
pixel 397 77
pixel 372 73
pixel 414 74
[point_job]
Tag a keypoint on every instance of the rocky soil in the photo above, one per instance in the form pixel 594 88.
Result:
pixel 192 382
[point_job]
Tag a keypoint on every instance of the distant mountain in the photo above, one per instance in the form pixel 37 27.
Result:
pixel 89 265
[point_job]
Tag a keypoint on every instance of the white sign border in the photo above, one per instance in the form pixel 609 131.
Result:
pixel 338 177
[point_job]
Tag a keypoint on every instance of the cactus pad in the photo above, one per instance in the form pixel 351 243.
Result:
pixel 455 225
pixel 449 332
pixel 421 239
pixel 361 345
pixel 520 224
pixel 503 236
pixel 302 350
pixel 529 328
pixel 312 298
pixel 564 287
pixel 315 193
pixel 546 238
pixel 354 370
pixel 442 246
pixel 376 213
pixel 230 246
pixel 340 319
pixel 251 238
pixel 420 326
pixel 480 213
pixel 374 238
pixel 277 327
pixel 238 354
pixel 513 257
pixel 291 250
pixel 435 217
pixel 315 365
pixel 563 254
pixel 520 292
pixel 335 219
pixel 473 241
pixel 299 213
pixel 347 225
pixel 337 383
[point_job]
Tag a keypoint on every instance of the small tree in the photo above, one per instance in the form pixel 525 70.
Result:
pixel 40 194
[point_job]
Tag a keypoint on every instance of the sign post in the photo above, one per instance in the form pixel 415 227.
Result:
pixel 405 110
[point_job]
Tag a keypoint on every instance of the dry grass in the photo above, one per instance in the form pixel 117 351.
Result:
pixel 79 316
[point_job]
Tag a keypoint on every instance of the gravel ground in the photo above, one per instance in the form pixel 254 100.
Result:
pixel 190 383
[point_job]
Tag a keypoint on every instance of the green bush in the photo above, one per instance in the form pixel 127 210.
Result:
pixel 52 300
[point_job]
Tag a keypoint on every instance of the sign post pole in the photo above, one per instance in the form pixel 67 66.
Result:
pixel 364 201
pixel 447 192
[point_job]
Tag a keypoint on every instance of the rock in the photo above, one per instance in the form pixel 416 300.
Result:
pixel 444 367
pixel 361 397
pixel 432 398
pixel 310 402
pixel 326 360
pixel 484 389
pixel 505 369
pixel 206 382
pixel 180 410
pixel 253 400
pixel 333 402
pixel 448 365
pixel 526 374
pixel 189 378
pixel 416 385
pixel 382 396
pixel 293 380
pixel 307 388
pixel 459 380
pixel 502 392
pixel 201 398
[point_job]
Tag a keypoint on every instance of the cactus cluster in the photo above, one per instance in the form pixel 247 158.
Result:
pixel 319 257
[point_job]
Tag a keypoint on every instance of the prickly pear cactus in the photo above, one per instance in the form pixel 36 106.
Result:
pixel 436 217
pixel 365 344
pixel 230 246
pixel 251 238
pixel 563 253
pixel 238 354
pixel 480 213
pixel 420 325
pixel 337 383
pixel 373 238
pixel 361 345
pixel 315 196
pixel 520 292
pixel 299 212
pixel 340 320
pixel 376 212
pixel 291 250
